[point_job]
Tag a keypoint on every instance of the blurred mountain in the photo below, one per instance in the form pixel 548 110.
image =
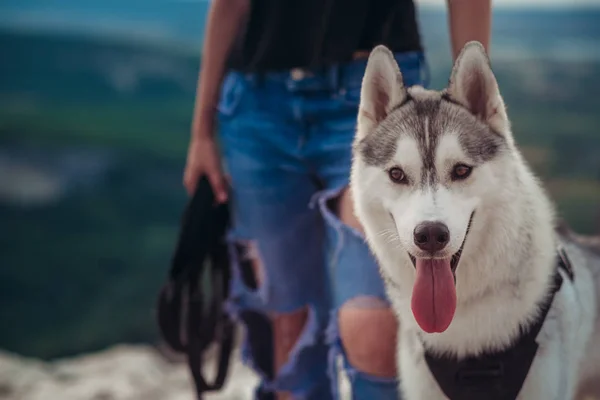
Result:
pixel 127 40
pixel 60 67
pixel 180 21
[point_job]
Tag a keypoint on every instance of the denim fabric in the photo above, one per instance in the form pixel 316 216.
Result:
pixel 286 144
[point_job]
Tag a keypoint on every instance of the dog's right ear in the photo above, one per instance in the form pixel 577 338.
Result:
pixel 474 85
pixel 382 89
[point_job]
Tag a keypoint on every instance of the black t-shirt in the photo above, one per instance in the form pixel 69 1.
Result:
pixel 284 34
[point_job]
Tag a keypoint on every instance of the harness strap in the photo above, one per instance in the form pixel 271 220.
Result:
pixel 496 375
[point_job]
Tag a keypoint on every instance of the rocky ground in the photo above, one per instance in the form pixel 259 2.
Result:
pixel 123 372
pixel 120 373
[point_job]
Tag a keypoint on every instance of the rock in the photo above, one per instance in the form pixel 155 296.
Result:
pixel 123 372
pixel 120 373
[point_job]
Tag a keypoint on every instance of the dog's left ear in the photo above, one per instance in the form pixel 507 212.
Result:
pixel 382 90
pixel 474 85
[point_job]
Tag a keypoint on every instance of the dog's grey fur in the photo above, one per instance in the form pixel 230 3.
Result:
pixel 508 259
pixel 479 141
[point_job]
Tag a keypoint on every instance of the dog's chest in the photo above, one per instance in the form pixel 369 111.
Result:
pixel 547 376
pixel 541 364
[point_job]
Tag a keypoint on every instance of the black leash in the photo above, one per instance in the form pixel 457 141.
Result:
pixel 189 318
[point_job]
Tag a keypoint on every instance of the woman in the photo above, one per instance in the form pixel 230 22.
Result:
pixel 284 79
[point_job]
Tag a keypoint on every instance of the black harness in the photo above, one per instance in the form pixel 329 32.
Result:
pixel 496 375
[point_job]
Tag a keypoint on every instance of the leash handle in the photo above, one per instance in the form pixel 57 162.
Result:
pixel 215 326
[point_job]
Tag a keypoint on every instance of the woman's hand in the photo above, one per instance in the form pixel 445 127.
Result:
pixel 224 20
pixel 204 159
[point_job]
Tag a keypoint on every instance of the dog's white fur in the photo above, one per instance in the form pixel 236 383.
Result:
pixel 501 278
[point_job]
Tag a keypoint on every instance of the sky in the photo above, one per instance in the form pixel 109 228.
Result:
pixel 525 3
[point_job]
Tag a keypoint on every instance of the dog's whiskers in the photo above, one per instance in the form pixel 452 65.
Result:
pixel 389 235
pixel 399 246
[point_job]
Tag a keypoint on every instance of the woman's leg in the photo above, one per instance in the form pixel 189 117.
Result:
pixel 363 329
pixel 279 289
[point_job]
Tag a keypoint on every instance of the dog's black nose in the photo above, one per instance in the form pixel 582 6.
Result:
pixel 431 236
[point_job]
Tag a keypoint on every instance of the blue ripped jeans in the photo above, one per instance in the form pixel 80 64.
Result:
pixel 286 142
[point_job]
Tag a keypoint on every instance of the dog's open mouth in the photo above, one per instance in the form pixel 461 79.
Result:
pixel 433 301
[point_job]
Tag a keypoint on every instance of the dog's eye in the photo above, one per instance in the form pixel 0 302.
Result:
pixel 461 171
pixel 397 175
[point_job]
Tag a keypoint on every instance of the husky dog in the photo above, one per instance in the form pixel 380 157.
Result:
pixel 464 233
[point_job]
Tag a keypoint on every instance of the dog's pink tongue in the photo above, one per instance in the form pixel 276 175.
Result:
pixel 434 295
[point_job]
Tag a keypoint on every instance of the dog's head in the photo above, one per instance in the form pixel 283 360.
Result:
pixel 426 164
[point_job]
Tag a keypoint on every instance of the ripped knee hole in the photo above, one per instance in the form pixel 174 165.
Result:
pixel 250 265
